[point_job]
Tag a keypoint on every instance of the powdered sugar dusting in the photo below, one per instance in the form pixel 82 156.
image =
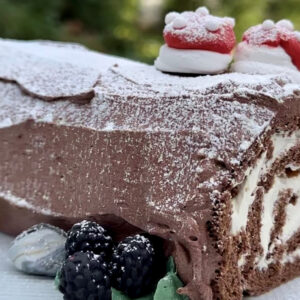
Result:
pixel 274 86
pixel 6 122
pixel 203 11
pixel 51 70
pixel 269 33
pixel 196 29
pixel 141 98
pixel 179 23
pixel 262 59
pixel 268 24
pixel 258 35
pixel 212 25
pixel 134 241
pixel 158 114
pixel 20 202
pixel 286 24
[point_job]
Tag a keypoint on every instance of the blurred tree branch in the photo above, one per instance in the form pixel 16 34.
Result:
pixel 116 26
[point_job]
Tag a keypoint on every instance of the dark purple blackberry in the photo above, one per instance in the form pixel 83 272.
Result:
pixel 135 266
pixel 89 236
pixel 85 276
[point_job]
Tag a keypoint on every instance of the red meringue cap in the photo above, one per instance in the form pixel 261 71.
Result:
pixel 199 30
pixel 281 34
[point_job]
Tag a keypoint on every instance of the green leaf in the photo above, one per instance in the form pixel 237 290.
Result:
pixel 117 295
pixel 167 286
pixel 171 265
pixel 165 290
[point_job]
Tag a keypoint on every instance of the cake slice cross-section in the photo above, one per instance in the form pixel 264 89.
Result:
pixel 210 164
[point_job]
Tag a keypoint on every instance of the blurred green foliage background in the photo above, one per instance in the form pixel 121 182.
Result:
pixel 129 28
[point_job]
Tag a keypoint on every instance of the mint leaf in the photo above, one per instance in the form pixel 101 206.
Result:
pixel 167 286
pixel 117 295
pixel 171 265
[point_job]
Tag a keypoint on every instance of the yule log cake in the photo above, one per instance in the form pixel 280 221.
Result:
pixel 211 164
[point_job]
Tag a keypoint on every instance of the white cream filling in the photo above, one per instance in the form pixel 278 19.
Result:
pixel 290 257
pixel 292 219
pixel 292 223
pixel 263 60
pixel 191 61
pixel 283 143
pixel 242 260
pixel 244 199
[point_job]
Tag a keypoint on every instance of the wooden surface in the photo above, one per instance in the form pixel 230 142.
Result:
pixel 17 286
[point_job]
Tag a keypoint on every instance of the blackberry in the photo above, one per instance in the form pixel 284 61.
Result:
pixel 89 236
pixel 136 266
pixel 85 276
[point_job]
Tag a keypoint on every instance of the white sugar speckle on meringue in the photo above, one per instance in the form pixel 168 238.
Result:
pixel 268 24
pixel 230 21
pixel 285 24
pixel 171 16
pixel 179 23
pixel 202 11
pixel 212 25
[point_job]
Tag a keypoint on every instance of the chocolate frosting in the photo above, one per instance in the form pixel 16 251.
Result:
pixel 85 135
